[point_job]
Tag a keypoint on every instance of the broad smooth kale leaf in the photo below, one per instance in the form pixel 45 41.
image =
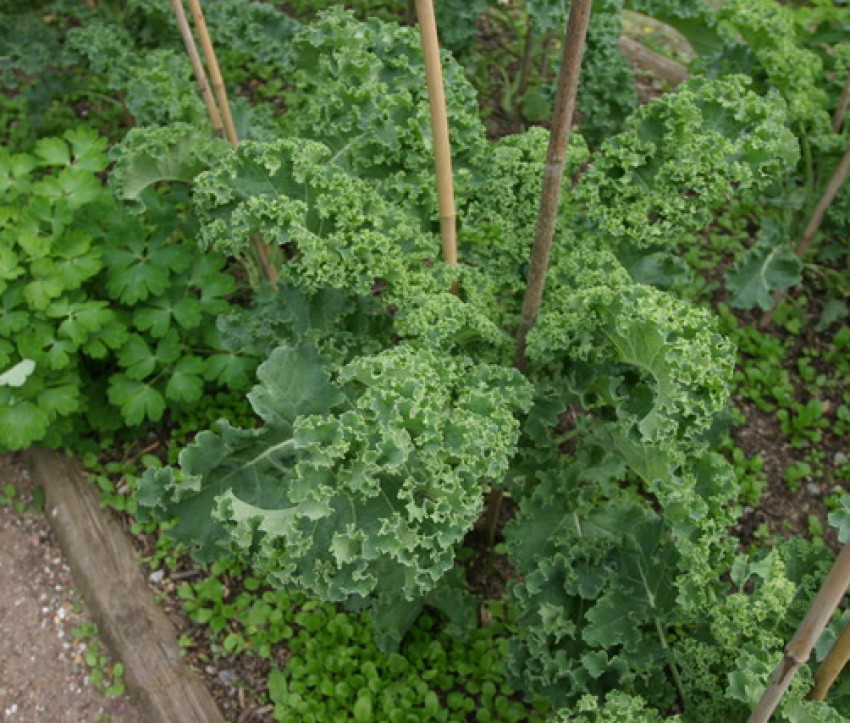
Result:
pixel 150 155
pixel 770 265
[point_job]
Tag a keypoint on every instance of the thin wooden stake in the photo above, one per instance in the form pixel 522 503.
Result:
pixel 215 72
pixel 439 128
pixel 841 108
pixel 524 70
pixel 832 188
pixel 559 137
pixel 832 665
pixel 839 176
pixel 197 66
pixel 261 250
pixel 800 648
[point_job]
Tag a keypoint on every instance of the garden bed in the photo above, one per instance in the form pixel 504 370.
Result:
pixel 372 468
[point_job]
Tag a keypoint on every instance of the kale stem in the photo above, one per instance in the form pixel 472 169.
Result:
pixel 491 516
pixel 674 670
pixel 809 171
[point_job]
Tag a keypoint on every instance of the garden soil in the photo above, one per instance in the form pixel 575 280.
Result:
pixel 43 676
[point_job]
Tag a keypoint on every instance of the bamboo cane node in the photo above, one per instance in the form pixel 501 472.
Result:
pixel 555 169
pixel 791 661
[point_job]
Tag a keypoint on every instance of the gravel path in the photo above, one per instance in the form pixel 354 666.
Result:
pixel 43 676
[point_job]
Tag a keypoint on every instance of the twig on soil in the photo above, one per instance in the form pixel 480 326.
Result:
pixel 150 448
pixel 185 575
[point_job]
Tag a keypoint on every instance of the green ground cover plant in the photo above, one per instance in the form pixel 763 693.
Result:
pixel 91 293
pixel 383 410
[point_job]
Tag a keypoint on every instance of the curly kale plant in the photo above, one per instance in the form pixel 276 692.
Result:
pixel 242 30
pixel 607 92
pixel 357 88
pixel 388 406
pixel 343 234
pixel 795 54
pixel 601 575
pixel 778 60
pixel 148 156
pixel 684 156
pixel 360 483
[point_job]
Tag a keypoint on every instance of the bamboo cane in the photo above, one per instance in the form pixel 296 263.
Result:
pixel 215 72
pixel 832 188
pixel 260 249
pixel 559 137
pixel 439 128
pixel 839 176
pixel 197 66
pixel 832 665
pixel 800 648
pixel 524 69
pixel 841 108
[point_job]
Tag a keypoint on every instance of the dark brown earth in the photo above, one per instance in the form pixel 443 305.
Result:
pixel 782 510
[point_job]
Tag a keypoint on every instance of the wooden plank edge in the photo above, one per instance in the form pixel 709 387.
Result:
pixel 103 563
pixel 652 62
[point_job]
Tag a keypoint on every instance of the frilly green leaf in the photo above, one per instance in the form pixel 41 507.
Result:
pixel 687 153
pixel 359 486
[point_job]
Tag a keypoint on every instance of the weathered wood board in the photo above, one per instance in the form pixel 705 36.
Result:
pixel 138 633
pixel 655 63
